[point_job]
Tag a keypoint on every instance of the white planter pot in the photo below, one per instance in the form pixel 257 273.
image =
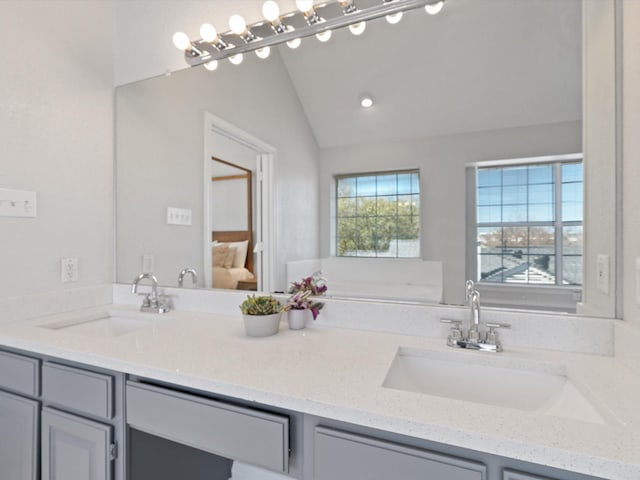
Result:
pixel 261 325
pixel 298 319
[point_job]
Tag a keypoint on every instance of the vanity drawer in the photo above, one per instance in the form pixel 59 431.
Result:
pixel 345 456
pixel 230 431
pixel 20 374
pixel 79 390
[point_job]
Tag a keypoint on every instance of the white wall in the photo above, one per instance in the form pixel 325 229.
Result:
pixel 442 162
pixel 631 159
pixel 160 161
pixel 56 118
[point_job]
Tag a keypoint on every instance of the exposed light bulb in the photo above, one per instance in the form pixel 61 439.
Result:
pixel 394 18
pixel 434 8
pixel 358 28
pixel 263 52
pixel 181 41
pixel 237 24
pixel 236 59
pixel 211 66
pixel 295 43
pixel 208 33
pixel 366 101
pixel 304 5
pixel 271 11
pixel 324 36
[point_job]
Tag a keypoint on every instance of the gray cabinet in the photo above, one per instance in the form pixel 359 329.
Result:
pixel 513 475
pixel 230 431
pixel 344 456
pixel 18 437
pixel 74 448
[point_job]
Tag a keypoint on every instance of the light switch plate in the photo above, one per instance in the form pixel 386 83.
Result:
pixel 603 273
pixel 17 203
pixel 179 216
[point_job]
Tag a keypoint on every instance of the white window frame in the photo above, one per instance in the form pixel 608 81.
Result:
pixel 508 295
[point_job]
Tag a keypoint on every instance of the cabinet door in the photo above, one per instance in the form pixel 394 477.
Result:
pixel 344 456
pixel 74 448
pixel 18 437
pixel 513 475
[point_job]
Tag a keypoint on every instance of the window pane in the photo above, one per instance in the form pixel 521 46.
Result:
pixel 542 193
pixel 346 187
pixel 491 214
pixel 387 205
pixel 572 172
pixel 366 186
pixel 415 183
pixel 366 236
pixel 346 207
pixel 514 195
pixel 572 242
pixel 489 177
pixel 572 192
pixel 541 212
pixel 366 206
pixel 571 212
pixel 404 183
pixel 347 238
pixel 515 213
pixel 387 185
pixel 516 237
pixel 514 176
pixel 490 240
pixel 542 269
pixel 491 268
pixel 489 196
pixel 415 205
pixel 541 174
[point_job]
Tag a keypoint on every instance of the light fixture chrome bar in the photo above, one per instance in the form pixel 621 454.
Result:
pixel 203 52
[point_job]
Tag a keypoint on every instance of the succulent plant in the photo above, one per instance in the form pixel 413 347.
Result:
pixel 260 305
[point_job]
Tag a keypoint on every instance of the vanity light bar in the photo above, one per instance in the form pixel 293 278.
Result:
pixel 289 27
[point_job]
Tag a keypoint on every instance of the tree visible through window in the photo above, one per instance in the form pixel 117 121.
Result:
pixel 378 215
pixel 529 223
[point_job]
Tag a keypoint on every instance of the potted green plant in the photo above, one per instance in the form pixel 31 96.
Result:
pixel 300 304
pixel 261 315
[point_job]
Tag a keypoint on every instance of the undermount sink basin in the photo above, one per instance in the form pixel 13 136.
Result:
pixel 109 323
pixel 484 378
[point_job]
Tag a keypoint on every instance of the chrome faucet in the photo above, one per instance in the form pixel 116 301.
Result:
pixel 152 302
pixel 194 276
pixel 469 287
pixel 474 338
pixel 474 320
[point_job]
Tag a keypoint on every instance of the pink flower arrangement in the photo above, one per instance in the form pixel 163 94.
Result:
pixel 302 291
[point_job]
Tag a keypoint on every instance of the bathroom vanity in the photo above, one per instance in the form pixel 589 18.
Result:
pixel 321 403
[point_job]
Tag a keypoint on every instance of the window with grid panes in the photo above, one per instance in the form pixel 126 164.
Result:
pixel 529 223
pixel 378 215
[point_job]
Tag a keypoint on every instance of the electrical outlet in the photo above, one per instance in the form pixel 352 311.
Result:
pixel 69 270
pixel 148 263
pixel 602 273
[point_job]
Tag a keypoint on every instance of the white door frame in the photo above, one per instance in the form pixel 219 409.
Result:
pixel 265 214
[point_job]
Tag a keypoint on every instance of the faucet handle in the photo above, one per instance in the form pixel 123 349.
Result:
pixel 456 332
pixel 492 336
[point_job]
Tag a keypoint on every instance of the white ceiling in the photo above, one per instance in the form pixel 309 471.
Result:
pixel 478 65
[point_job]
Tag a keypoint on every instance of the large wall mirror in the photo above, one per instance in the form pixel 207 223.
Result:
pixel 486 84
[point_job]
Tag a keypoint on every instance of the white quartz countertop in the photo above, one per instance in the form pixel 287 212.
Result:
pixel 338 373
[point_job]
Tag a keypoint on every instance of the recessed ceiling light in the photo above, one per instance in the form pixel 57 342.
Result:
pixel 366 101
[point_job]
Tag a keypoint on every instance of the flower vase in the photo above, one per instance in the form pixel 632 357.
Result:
pixel 298 319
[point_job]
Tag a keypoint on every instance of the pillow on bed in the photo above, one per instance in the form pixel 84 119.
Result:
pixel 220 253
pixel 230 257
pixel 241 253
